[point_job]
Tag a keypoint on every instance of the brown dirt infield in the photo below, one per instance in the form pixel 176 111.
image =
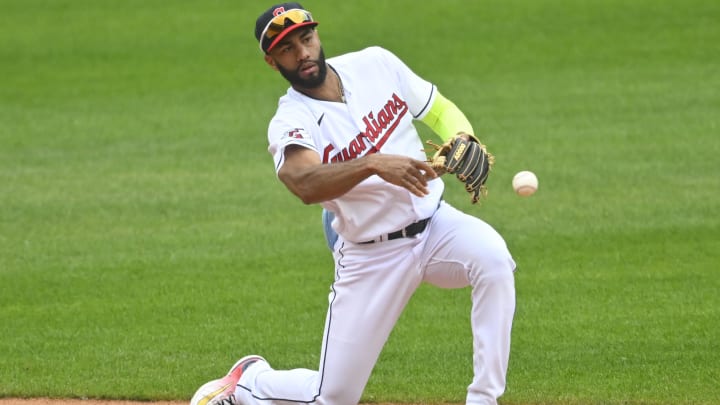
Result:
pixel 53 401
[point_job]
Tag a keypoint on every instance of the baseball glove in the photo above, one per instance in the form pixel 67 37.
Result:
pixel 469 160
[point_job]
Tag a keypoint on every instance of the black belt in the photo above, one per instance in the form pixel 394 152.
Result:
pixel 409 231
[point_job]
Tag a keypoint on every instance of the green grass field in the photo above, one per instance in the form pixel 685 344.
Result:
pixel 145 243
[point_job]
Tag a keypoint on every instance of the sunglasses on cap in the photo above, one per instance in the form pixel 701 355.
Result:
pixel 281 22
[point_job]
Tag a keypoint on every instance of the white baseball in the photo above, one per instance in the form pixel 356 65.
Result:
pixel 525 183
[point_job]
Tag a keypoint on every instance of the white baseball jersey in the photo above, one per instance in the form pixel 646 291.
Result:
pixel 383 96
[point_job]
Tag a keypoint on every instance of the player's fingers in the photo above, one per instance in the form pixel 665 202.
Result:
pixel 417 186
pixel 423 172
pixel 419 178
pixel 426 169
pixel 430 175
pixel 420 192
pixel 426 175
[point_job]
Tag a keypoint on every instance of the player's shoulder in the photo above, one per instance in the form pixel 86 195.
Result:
pixel 291 109
pixel 287 105
pixel 370 50
pixel 292 100
pixel 371 53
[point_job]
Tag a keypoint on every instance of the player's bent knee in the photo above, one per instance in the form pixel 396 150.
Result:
pixel 493 266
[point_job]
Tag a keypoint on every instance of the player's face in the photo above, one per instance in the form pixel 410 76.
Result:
pixel 299 57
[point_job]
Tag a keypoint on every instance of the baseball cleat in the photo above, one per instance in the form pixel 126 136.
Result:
pixel 222 391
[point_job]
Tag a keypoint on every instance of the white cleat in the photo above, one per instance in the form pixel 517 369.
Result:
pixel 222 391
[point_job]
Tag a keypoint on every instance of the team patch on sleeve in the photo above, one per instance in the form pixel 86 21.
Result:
pixel 296 133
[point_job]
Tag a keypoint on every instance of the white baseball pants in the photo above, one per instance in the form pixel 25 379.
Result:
pixel 373 283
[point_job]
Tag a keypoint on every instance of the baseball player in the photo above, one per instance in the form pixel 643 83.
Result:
pixel 343 137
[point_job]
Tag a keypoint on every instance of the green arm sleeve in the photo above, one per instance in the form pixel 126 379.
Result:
pixel 446 120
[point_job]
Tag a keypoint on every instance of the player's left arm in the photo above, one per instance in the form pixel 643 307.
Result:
pixel 442 116
pixel 446 119
pixel 461 153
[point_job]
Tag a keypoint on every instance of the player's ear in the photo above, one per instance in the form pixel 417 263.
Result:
pixel 270 61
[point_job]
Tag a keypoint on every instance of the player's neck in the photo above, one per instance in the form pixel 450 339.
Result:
pixel 330 90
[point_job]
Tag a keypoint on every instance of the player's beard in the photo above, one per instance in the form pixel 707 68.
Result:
pixel 293 76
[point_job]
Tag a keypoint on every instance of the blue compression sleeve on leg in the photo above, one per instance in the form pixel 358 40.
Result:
pixel 446 119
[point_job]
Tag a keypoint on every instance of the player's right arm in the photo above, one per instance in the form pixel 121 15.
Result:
pixel 305 176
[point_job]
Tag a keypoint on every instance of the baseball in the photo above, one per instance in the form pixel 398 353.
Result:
pixel 525 183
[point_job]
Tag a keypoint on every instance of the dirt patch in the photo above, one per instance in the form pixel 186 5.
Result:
pixel 52 401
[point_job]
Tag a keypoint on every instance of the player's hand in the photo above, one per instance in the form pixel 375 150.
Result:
pixel 467 158
pixel 403 171
pixel 466 136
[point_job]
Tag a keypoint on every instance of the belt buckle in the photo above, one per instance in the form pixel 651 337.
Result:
pixel 404 232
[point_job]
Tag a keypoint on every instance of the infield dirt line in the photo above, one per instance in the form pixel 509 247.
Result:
pixel 60 401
